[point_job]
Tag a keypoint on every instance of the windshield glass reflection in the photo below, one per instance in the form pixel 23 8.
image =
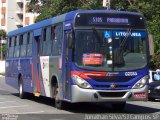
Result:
pixel 110 50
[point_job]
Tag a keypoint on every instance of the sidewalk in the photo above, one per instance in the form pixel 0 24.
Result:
pixel 2 76
pixel 2 68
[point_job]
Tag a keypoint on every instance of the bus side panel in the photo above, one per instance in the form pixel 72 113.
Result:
pixel 26 71
pixel 11 73
pixel 16 67
pixel 49 68
pixel 45 80
pixel 55 70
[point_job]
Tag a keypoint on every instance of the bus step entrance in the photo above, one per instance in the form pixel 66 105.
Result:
pixel 37 94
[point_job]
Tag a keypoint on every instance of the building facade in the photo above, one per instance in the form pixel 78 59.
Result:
pixel 13 14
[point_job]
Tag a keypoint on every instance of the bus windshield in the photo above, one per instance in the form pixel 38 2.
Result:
pixel 110 49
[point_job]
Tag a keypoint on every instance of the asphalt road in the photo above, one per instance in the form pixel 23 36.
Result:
pixel 42 108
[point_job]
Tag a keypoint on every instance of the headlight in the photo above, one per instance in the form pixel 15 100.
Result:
pixel 158 87
pixel 81 82
pixel 141 83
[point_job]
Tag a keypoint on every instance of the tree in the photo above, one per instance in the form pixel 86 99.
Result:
pixel 34 6
pixel 3 47
pixel 3 34
pixel 50 8
pixel 91 4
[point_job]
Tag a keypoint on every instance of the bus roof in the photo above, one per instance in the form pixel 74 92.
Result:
pixel 64 17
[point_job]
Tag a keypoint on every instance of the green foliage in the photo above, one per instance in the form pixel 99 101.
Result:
pixel 3 37
pixel 3 34
pixel 4 50
pixel 119 4
pixel 91 4
pixel 56 7
pixel 33 6
pixel 52 8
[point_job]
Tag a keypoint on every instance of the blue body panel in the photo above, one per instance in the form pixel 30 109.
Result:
pixel 122 85
pixel 17 66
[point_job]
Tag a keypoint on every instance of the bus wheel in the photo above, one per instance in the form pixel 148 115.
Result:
pixel 151 99
pixel 119 106
pixel 59 104
pixel 20 87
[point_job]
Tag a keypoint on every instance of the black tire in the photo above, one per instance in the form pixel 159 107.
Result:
pixel 118 106
pixel 151 99
pixel 20 88
pixel 59 104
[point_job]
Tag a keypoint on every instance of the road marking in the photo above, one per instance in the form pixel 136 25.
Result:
pixel 7 101
pixel 13 106
pixel 31 112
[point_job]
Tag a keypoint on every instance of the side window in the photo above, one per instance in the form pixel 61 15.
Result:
pixel 11 49
pixel 44 34
pixel 48 33
pixel 29 43
pixel 47 42
pixel 28 37
pixel 44 42
pixel 25 38
pixel 17 43
pixel 53 32
pixel 8 45
pixel 20 39
pixel 24 49
pixel 23 42
pixel 15 40
pixel 17 47
pixel 57 41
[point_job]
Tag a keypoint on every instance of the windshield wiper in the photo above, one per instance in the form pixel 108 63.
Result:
pixel 118 59
pixel 97 36
pixel 125 38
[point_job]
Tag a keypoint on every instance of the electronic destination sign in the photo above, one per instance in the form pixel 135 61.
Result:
pixel 109 20
pixel 104 20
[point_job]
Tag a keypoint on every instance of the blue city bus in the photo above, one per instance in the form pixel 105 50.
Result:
pixel 81 56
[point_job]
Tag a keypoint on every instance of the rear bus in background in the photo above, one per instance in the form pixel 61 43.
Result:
pixel 81 56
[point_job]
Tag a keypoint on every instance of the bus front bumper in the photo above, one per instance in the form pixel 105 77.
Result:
pixel 92 95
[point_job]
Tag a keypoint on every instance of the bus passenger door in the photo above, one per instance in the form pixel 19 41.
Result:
pixel 67 67
pixel 36 65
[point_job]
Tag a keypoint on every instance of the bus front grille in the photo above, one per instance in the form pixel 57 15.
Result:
pixel 107 87
pixel 112 78
pixel 112 94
